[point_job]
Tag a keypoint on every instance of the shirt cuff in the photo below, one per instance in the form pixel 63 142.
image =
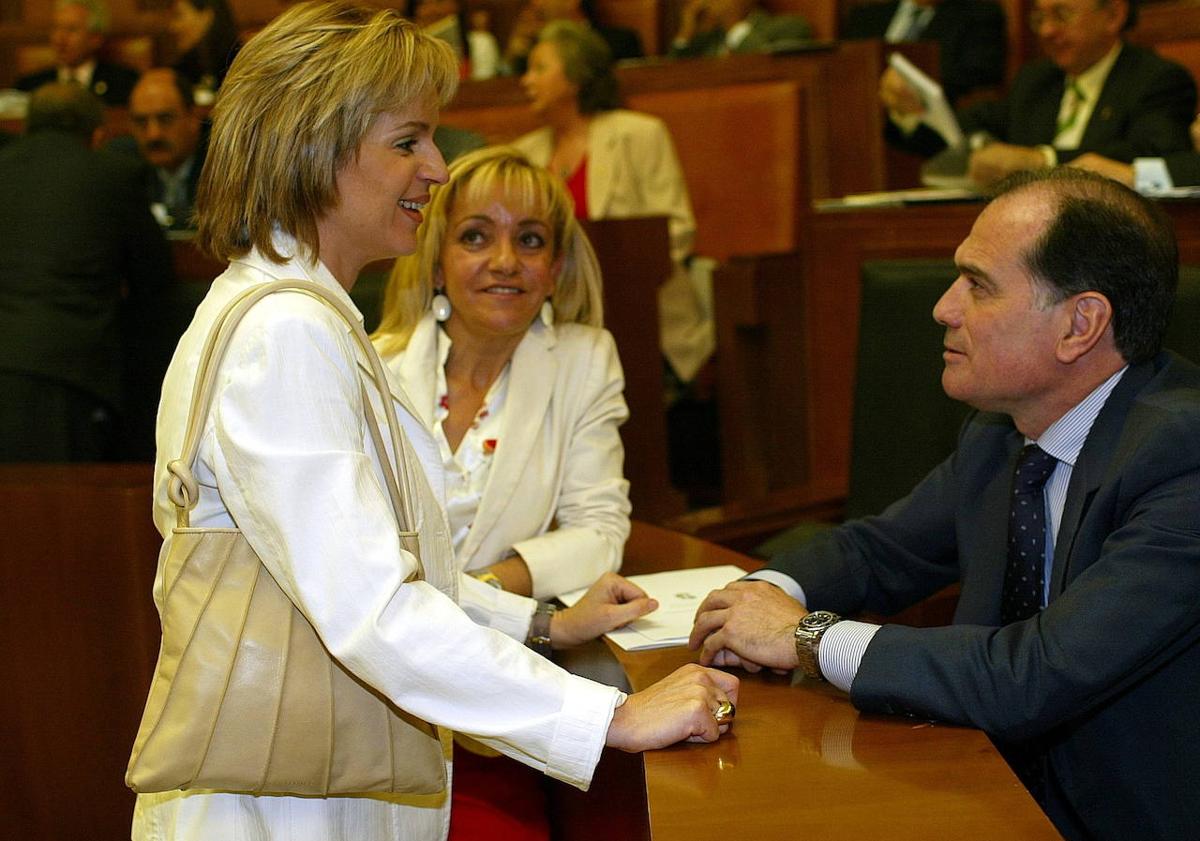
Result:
pixel 1049 155
pixel 494 608
pixel 841 651
pixel 781 580
pixel 1150 175
pixel 587 714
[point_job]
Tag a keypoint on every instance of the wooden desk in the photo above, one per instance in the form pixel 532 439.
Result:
pixel 801 761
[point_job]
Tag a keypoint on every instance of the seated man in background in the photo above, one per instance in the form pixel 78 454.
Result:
pixel 1151 175
pixel 718 27
pixel 171 138
pixel 622 42
pixel 75 233
pixel 1092 93
pixel 970 35
pixel 1068 513
pixel 76 36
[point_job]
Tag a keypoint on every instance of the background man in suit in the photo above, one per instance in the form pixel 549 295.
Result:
pixel 970 35
pixel 172 139
pixel 1076 642
pixel 75 233
pixel 77 35
pixel 717 27
pixel 1092 93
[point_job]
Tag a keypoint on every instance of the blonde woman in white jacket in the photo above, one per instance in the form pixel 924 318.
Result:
pixel 493 328
pixel 322 160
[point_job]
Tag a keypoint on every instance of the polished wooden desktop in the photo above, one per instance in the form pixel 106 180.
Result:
pixel 800 760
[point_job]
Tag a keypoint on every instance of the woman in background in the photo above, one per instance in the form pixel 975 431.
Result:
pixel 493 328
pixel 206 41
pixel 321 161
pixel 616 164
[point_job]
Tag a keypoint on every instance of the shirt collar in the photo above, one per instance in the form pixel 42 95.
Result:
pixel 1066 436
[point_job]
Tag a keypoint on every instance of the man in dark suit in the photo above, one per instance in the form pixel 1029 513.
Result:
pixel 76 36
pixel 171 139
pixel 970 35
pixel 75 234
pixel 1076 640
pixel 1092 93
pixel 718 27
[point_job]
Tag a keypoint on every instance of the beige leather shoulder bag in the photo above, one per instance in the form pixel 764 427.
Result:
pixel 245 697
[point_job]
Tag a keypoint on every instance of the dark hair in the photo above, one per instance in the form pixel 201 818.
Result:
pixel 1105 238
pixel 216 49
pixel 587 62
pixel 183 85
pixel 64 106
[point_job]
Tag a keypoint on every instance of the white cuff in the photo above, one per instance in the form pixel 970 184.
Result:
pixel 1150 176
pixel 841 651
pixel 1049 155
pixel 781 580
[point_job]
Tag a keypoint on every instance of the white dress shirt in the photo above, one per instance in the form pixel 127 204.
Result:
pixel 286 457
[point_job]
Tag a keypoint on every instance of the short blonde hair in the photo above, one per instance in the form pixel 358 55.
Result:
pixel 292 111
pixel 578 294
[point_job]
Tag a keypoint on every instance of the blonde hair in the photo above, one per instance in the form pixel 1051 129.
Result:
pixel 578 295
pixel 292 111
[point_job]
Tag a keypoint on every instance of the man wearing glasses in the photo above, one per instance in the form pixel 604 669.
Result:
pixel 1091 93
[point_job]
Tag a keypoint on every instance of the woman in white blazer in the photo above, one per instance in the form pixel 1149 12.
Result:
pixel 616 164
pixel 493 329
pixel 321 161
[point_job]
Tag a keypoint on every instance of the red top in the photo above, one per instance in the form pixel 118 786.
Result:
pixel 577 187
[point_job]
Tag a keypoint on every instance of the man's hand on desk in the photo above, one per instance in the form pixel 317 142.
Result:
pixel 680 706
pixel 996 160
pixel 750 624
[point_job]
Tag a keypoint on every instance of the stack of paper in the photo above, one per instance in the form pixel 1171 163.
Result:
pixel 678 593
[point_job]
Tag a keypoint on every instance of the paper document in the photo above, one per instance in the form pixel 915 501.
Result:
pixel 678 592
pixel 939 116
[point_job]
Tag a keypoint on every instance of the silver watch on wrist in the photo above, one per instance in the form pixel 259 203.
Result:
pixel 808 640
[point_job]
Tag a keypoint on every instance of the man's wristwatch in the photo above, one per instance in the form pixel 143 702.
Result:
pixel 808 640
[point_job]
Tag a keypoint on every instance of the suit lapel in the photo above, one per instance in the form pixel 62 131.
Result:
pixel 532 376
pixel 1091 467
pixel 416 369
pixel 984 536
pixel 1101 125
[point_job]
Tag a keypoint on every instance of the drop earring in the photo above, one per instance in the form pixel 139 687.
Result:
pixel 547 313
pixel 440 306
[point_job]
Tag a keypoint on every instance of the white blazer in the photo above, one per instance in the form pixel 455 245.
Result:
pixel 632 170
pixel 286 457
pixel 556 493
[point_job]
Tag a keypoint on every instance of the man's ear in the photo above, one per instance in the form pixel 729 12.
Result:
pixel 1091 316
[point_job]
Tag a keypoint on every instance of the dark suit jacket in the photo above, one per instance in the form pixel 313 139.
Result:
pixel 74 232
pixel 767 31
pixel 1144 110
pixel 112 83
pixel 970 35
pixel 1107 675
pixel 1184 168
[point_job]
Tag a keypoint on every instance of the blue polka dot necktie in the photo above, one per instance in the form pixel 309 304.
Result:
pixel 1024 576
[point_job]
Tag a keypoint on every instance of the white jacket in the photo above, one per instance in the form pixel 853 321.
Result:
pixel 556 493
pixel 286 457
